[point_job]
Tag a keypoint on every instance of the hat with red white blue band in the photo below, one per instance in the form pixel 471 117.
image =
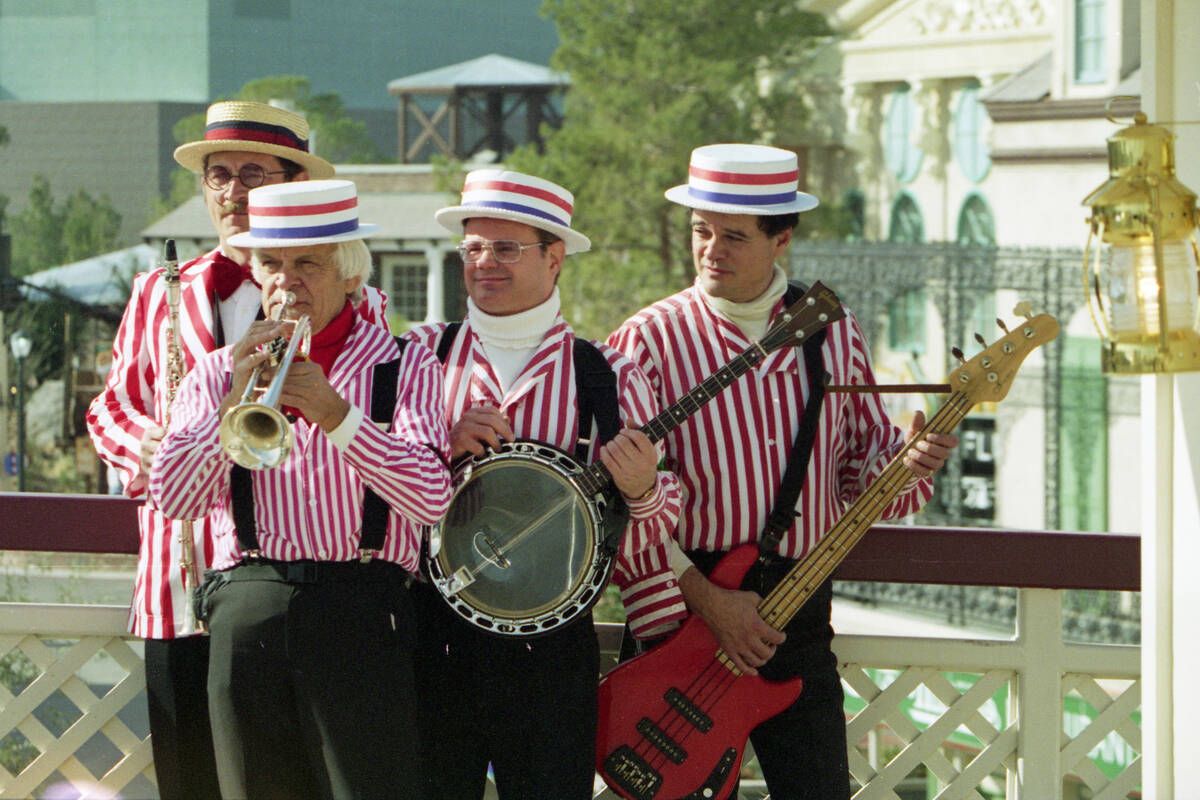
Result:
pixel 242 126
pixel 302 213
pixel 504 194
pixel 743 179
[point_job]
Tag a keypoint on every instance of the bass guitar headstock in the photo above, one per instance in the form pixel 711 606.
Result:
pixel 817 308
pixel 988 376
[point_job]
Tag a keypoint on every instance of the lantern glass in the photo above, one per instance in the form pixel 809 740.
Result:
pixel 1132 283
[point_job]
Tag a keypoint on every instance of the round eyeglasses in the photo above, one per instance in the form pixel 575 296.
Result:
pixel 505 251
pixel 250 175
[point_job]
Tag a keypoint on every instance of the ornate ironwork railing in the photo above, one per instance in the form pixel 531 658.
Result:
pixel 1020 716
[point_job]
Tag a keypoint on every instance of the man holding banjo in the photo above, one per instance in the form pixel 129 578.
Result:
pixel 318 515
pixel 518 383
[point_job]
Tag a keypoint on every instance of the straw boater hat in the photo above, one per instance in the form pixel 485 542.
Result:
pixel 302 213
pixel 742 179
pixel 240 126
pixel 504 194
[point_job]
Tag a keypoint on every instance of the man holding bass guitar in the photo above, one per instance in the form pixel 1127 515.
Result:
pixel 527 704
pixel 733 458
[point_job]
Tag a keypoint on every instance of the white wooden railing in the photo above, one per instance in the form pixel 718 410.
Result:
pixel 77 720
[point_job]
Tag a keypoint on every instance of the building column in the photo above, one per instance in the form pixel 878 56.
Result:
pixel 435 283
pixel 1170 494
pixel 864 128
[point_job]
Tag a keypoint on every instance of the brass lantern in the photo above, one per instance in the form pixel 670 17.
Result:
pixel 1141 260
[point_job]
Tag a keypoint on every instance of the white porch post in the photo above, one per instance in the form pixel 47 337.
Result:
pixel 1171 453
pixel 435 284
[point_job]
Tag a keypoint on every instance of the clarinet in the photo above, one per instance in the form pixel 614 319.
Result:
pixel 175 372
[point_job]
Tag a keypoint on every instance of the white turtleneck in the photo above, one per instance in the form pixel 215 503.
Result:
pixel 753 316
pixel 510 340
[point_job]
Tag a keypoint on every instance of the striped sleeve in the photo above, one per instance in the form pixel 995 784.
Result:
pixel 120 415
pixel 190 475
pixel 652 520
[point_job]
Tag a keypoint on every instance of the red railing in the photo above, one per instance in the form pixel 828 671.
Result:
pixel 79 523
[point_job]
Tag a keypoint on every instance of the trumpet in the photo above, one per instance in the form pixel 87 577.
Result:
pixel 255 433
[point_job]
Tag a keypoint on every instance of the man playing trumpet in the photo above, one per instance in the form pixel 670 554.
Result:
pixel 245 145
pixel 310 679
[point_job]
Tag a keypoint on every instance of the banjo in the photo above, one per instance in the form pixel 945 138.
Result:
pixel 528 541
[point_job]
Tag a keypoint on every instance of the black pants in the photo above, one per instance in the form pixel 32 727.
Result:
pixel 310 682
pixel 180 735
pixel 802 751
pixel 527 706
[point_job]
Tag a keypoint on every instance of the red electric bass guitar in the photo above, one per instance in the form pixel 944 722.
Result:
pixel 674 721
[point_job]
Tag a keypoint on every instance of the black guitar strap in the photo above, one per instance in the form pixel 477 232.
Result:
pixel 449 333
pixel 783 513
pixel 375 509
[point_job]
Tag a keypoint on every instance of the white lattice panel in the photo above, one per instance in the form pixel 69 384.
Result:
pixel 62 647
pixel 51 722
pixel 1113 726
pixel 925 744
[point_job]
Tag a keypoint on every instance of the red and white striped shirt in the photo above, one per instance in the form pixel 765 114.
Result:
pixel 731 455
pixel 541 405
pixel 310 506
pixel 134 400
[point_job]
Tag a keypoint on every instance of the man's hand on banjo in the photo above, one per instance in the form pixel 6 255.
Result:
pixel 633 463
pixel 479 429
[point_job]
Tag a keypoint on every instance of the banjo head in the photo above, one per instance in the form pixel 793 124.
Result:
pixel 518 552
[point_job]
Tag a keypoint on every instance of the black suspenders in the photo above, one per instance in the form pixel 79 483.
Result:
pixel 595 388
pixel 375 509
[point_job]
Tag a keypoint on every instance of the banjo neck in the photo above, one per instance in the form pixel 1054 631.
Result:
pixel 793 326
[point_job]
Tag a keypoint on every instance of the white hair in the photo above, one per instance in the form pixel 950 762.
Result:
pixel 352 259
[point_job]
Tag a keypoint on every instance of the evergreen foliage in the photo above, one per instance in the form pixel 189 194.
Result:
pixel 45 234
pixel 650 81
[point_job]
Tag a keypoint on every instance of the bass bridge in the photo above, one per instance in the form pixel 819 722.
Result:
pixel 639 781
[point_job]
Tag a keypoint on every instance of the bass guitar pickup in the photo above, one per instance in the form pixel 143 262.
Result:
pixel 659 738
pixel 688 710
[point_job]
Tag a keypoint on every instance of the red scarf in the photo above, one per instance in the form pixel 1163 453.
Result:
pixel 327 344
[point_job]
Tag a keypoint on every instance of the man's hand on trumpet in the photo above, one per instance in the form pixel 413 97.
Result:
pixel 308 390
pixel 305 388
pixel 249 354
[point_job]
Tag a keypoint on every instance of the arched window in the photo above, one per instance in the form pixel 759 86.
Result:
pixel 855 204
pixel 906 323
pixel 1089 41
pixel 907 225
pixel 900 136
pixel 906 313
pixel 970 147
pixel 976 226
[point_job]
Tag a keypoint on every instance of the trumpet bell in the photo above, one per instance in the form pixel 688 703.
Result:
pixel 256 436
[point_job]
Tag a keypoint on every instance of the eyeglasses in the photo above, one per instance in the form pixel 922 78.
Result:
pixel 251 175
pixel 505 251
